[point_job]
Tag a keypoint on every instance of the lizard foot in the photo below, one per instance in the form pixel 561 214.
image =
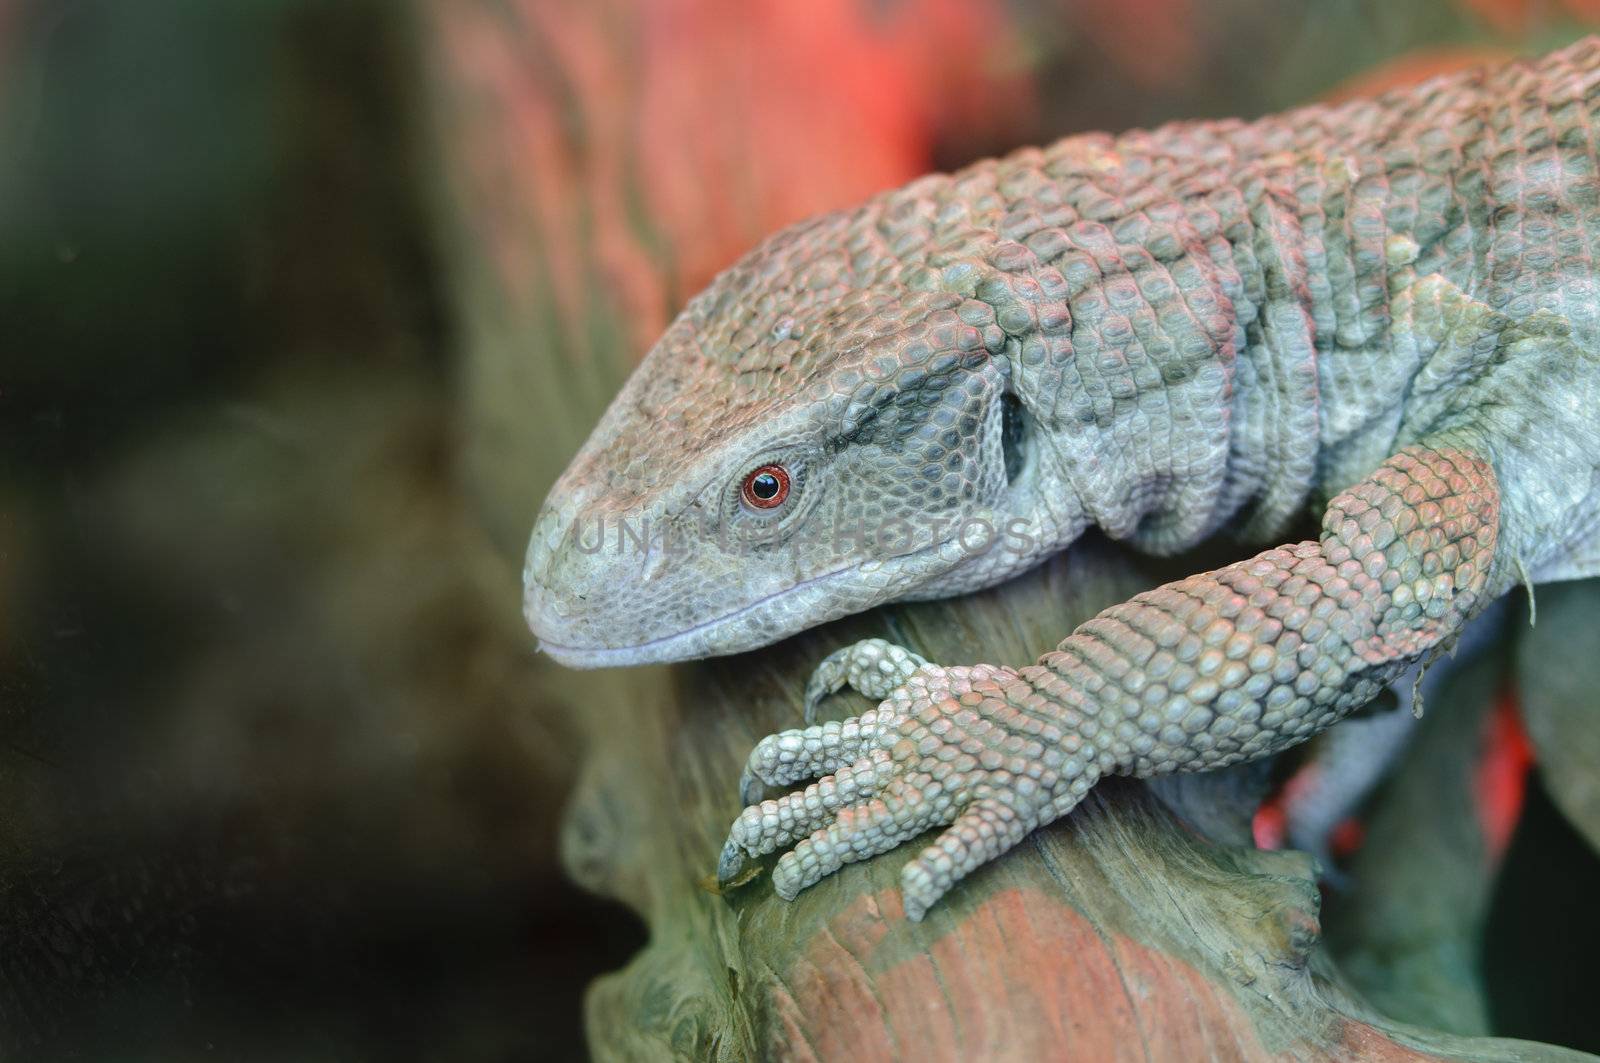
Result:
pixel 874 667
pixel 971 748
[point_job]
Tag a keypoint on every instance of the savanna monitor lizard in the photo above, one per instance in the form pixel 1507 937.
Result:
pixel 1387 309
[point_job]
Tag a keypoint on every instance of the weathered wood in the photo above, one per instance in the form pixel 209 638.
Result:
pixel 1120 932
pixel 1117 933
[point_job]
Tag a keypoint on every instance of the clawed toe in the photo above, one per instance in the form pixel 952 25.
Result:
pixel 857 833
pixel 730 863
pixel 768 825
pixel 872 667
pixel 950 746
pixel 806 753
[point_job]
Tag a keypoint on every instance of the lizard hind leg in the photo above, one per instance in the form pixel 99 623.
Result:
pixel 1344 765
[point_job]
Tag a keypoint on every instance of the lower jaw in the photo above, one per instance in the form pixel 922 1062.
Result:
pixel 704 641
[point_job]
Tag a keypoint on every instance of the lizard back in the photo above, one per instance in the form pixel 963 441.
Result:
pixel 1257 288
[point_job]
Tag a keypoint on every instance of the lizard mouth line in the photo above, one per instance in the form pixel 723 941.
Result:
pixel 600 656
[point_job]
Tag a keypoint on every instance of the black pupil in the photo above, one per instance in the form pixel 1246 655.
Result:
pixel 764 486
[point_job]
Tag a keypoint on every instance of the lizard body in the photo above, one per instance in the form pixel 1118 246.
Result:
pixel 1387 309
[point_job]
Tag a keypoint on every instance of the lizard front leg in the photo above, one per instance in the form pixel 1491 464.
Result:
pixel 1199 674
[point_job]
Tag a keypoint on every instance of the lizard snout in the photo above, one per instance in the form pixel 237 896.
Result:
pixel 584 579
pixel 557 575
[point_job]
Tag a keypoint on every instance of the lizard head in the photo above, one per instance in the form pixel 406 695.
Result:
pixel 826 428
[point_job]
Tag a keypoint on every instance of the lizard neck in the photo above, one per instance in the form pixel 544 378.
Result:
pixel 1271 271
pixel 1212 332
pixel 1188 392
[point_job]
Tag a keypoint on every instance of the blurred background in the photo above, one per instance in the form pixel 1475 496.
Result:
pixel 303 305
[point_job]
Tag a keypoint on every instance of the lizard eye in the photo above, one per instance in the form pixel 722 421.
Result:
pixel 766 487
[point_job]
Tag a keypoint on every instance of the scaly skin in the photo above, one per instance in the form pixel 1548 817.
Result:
pixel 1390 305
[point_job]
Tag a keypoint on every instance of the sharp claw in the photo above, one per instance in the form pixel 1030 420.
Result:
pixel 816 693
pixel 830 676
pixel 750 788
pixel 730 863
pixel 873 667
